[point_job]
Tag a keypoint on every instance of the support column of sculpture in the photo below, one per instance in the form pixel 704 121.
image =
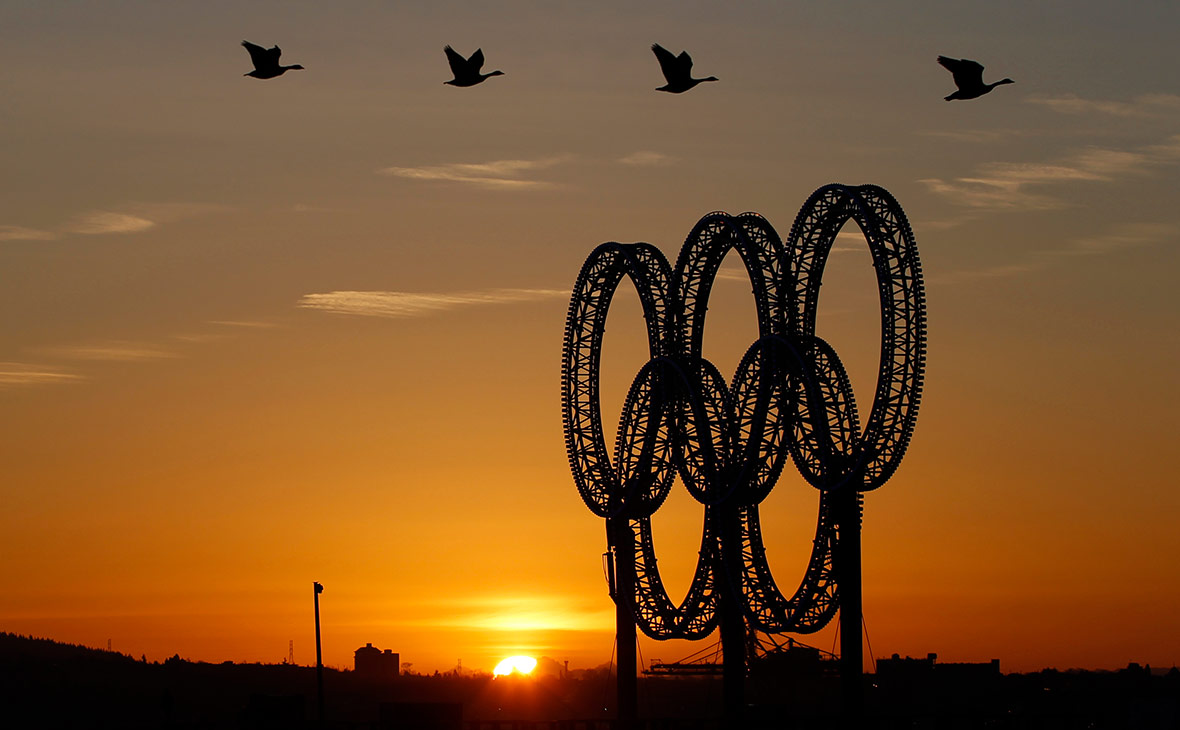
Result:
pixel 848 576
pixel 623 587
pixel 733 628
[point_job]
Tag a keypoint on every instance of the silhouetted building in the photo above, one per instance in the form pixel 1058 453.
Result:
pixel 372 663
pixel 897 667
pixel 925 687
pixel 908 669
pixel 793 660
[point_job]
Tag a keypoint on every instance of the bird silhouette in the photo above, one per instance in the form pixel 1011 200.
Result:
pixel 466 70
pixel 968 77
pixel 266 62
pixel 677 70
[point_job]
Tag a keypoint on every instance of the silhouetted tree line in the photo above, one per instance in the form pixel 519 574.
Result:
pixel 46 684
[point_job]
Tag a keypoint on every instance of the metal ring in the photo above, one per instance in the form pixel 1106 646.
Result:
pixel 729 442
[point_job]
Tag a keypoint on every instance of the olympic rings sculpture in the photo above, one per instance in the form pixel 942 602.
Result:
pixel 729 442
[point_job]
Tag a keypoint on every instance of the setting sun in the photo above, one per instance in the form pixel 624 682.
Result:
pixel 515 665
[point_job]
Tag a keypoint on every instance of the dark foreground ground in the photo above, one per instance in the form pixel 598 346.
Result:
pixel 44 684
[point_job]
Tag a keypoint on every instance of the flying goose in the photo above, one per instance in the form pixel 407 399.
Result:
pixel 466 70
pixel 968 77
pixel 677 70
pixel 266 62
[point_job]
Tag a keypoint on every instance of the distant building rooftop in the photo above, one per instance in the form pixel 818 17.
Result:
pixel 371 663
pixel 904 668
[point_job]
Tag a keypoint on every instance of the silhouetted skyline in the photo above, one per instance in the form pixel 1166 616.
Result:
pixel 54 685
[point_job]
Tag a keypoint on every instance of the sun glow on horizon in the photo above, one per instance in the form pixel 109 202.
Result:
pixel 522 665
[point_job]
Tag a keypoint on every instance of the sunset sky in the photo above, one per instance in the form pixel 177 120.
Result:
pixel 259 333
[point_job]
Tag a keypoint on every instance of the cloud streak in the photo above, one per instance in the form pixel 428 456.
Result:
pixel 20 233
pixel 245 323
pixel 645 158
pixel 1121 237
pixel 498 174
pixel 511 174
pixel 17 374
pixel 974 136
pixel 1146 105
pixel 138 218
pixel 999 271
pixel 404 305
pixel 109 352
pixel 1016 185
pixel 103 222
pixel 1118 238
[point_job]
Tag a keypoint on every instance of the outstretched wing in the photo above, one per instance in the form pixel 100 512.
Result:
pixel 259 55
pixel 458 63
pixel 475 63
pixel 967 73
pixel 685 62
pixel 263 57
pixel 668 62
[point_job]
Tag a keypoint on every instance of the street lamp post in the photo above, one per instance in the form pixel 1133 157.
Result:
pixel 319 656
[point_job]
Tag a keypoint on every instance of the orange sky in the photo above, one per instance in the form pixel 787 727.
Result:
pixel 200 420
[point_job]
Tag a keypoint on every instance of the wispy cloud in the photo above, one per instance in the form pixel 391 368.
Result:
pixel 401 305
pixel 943 224
pixel 20 233
pixel 110 352
pixel 133 218
pixel 90 354
pixel 1145 105
pixel 175 211
pixel 225 327
pixel 998 271
pixel 1117 238
pixel 977 193
pixel 1120 237
pixel 736 273
pixel 198 338
pixel 973 135
pixel 498 174
pixel 103 222
pixel 249 324
pixel 848 248
pixel 849 239
pixel 1170 149
pixel 18 374
pixel 1015 185
pixel 645 158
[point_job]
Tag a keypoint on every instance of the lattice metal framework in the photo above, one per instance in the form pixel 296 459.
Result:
pixel 728 442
